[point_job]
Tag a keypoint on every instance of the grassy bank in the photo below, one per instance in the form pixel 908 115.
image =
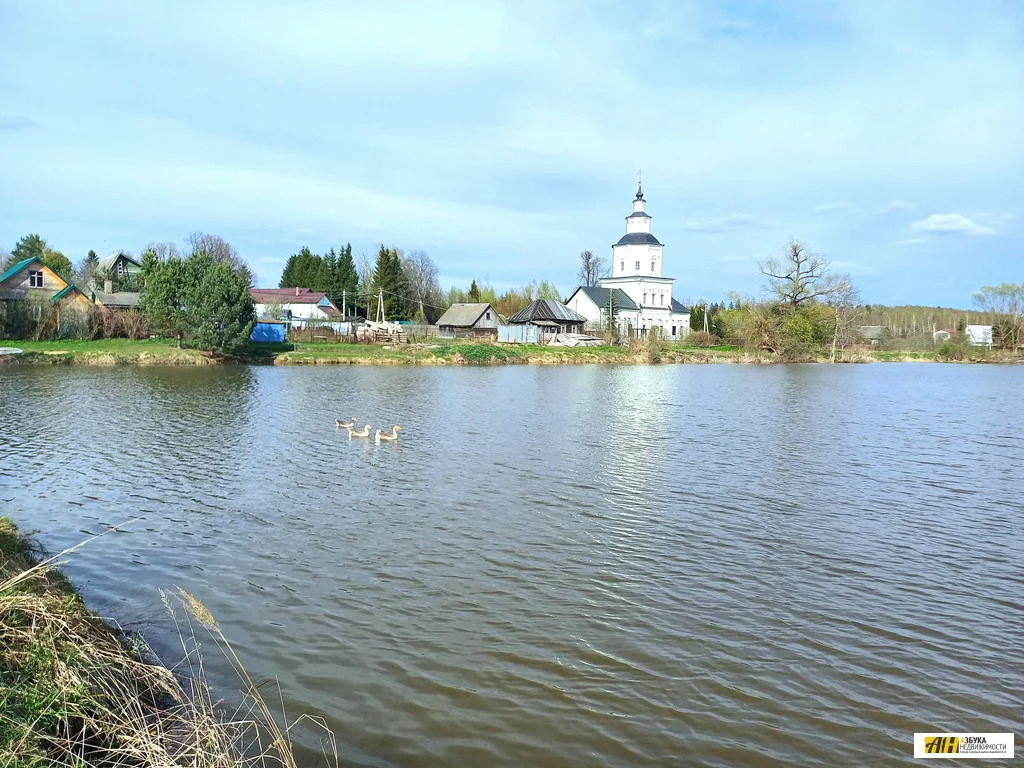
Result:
pixel 443 352
pixel 76 692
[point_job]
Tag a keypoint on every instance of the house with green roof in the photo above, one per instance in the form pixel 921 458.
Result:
pixel 31 292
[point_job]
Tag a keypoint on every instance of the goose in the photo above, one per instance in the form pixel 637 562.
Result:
pixel 364 432
pixel 392 435
pixel 345 424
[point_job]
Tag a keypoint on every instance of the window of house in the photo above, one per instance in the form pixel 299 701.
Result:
pixel 673 330
pixel 35 278
pixel 638 266
pixel 488 315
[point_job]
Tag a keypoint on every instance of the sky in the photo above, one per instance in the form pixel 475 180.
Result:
pixel 505 137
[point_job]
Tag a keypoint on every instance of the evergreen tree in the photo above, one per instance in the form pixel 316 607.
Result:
pixel 29 246
pixel 474 293
pixel 163 297
pixel 219 314
pixel 348 275
pixel 389 278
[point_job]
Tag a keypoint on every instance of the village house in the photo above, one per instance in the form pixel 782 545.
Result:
pixel 119 266
pixel 550 317
pixel 637 261
pixel 296 306
pixel 591 302
pixel 979 335
pixel 30 291
pixel 468 321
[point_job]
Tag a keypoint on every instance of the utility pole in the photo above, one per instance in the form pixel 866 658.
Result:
pixel 343 306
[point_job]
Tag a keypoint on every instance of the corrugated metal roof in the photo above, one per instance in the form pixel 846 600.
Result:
pixel 546 309
pixel 285 296
pixel 463 315
pixel 677 307
pixel 600 297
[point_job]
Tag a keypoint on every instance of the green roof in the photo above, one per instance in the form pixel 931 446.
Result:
pixel 18 267
pixel 65 291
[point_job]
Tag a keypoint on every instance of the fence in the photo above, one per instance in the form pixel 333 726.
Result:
pixel 518 334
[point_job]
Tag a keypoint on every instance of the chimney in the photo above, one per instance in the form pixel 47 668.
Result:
pixel 297 289
pixel 108 286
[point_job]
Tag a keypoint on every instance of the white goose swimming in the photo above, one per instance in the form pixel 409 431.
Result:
pixel 392 435
pixel 364 432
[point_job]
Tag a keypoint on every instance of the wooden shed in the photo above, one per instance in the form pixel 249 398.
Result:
pixel 468 321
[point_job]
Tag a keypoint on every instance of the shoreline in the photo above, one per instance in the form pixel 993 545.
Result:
pixel 77 690
pixel 160 352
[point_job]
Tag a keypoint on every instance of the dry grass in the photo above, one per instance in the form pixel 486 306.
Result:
pixel 75 692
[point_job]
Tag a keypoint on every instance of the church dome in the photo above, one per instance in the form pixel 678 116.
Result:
pixel 638 238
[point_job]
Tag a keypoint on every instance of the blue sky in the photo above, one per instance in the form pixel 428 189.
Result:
pixel 503 138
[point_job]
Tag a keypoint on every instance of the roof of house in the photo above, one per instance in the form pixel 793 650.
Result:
pixel 463 315
pixel 633 238
pixel 639 215
pixel 117 299
pixel 286 296
pixel 600 297
pixel 677 307
pixel 546 309
pixel 108 261
pixel 16 268
pixel 69 288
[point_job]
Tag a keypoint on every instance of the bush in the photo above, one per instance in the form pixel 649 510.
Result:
pixel 702 339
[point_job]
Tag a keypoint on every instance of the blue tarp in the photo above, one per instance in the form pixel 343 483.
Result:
pixel 268 332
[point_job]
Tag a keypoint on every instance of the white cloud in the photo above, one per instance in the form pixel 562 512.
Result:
pixel 944 223
pixel 735 223
pixel 831 207
pixel 899 205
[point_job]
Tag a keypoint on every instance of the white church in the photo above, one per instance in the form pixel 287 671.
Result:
pixel 642 295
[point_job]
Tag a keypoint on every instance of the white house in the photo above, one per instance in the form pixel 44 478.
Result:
pixel 294 305
pixel 637 261
pixel 979 335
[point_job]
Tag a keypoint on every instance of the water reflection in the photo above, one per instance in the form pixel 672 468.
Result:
pixel 557 566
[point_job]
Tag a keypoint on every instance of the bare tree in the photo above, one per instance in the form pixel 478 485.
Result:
pixel 801 275
pixel 1006 303
pixel 591 267
pixel 424 289
pixel 163 251
pixel 221 250
pixel 844 300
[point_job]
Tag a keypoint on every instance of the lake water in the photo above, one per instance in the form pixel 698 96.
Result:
pixel 560 566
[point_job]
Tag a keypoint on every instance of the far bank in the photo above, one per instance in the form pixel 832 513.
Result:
pixel 164 352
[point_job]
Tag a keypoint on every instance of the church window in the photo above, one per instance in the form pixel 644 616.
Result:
pixel 652 266
pixel 662 297
pixel 673 330
pixel 638 266
pixel 622 265
pixel 645 297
